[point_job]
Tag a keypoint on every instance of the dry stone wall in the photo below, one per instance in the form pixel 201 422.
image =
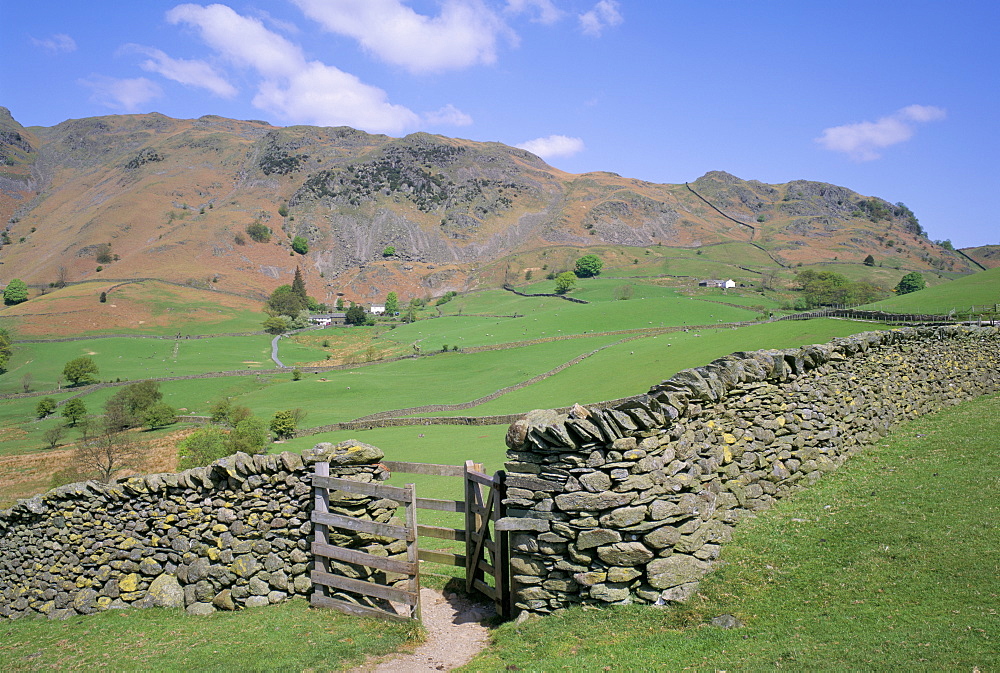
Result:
pixel 231 535
pixel 632 503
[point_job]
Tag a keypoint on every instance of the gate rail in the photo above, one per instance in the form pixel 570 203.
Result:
pixel 324 552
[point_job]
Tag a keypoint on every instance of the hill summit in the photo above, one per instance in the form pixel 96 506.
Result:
pixel 237 205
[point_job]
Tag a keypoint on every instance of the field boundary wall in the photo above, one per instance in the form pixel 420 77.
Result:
pixel 631 504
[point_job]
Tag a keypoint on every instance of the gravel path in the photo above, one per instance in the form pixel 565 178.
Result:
pixel 455 634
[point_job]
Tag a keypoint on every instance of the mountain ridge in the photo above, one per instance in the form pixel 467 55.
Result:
pixel 154 196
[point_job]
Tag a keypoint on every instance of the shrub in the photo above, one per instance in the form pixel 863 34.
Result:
pixel 259 232
pixel 300 245
pixel 296 374
pixel 283 424
pixel 202 447
pixel 389 251
pixel 911 282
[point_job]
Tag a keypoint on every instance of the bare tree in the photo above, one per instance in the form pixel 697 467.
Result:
pixel 62 277
pixel 107 451
pixel 26 382
pixel 53 435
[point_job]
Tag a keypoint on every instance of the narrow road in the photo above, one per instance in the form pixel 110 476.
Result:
pixel 274 351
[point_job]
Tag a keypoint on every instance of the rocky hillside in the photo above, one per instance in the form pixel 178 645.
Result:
pixel 135 196
pixel 987 255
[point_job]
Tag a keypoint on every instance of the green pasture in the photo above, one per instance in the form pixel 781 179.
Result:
pixel 631 368
pixel 890 563
pixel 447 378
pixel 550 316
pixel 135 359
pixel 960 294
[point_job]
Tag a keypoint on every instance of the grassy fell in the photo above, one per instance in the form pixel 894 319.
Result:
pixel 889 563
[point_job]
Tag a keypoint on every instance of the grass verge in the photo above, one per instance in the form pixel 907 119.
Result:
pixel 891 563
pixel 287 636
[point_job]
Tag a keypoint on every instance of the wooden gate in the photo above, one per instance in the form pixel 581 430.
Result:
pixel 486 556
pixel 325 552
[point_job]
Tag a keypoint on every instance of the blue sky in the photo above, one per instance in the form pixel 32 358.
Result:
pixel 892 99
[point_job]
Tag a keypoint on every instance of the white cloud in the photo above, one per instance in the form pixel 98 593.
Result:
pixel 326 96
pixel 243 40
pixel 553 146
pixel 189 72
pixel 56 44
pixel 449 115
pixel 464 34
pixel 291 87
pixel 545 11
pixel 605 14
pixel 864 140
pixel 128 95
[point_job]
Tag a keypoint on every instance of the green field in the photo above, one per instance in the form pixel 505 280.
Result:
pixel 960 294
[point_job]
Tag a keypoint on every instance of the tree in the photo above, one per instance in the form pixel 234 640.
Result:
pixel 391 303
pixel 911 282
pixel 276 324
pixel 588 265
pixel 107 452
pixel 283 424
pixel 103 298
pixel 299 287
pixel 356 315
pixel 249 436
pixel 286 301
pixel 80 371
pixel 53 435
pixel 127 408
pixel 26 382
pixel 159 415
pixel 74 411
pixel 389 251
pixel 203 446
pixel 45 407
pixel 5 349
pixel 15 292
pixel 300 245
pixel 259 232
pixel 565 282
pixel 869 261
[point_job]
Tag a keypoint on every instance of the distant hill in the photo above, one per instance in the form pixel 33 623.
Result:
pixel 987 255
pixel 147 196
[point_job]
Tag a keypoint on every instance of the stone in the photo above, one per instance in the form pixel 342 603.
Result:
pixel 610 592
pixel 244 566
pixel 595 482
pixel 224 600
pixel 597 537
pixel 625 554
pixel 256 602
pixel 590 502
pixel 166 592
pixel 350 452
pixel 664 573
pixel 200 609
pixel 727 622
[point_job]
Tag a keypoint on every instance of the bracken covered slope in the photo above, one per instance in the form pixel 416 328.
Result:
pixel 147 196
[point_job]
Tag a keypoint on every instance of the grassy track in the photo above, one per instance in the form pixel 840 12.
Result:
pixel 890 563
pixel 287 637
